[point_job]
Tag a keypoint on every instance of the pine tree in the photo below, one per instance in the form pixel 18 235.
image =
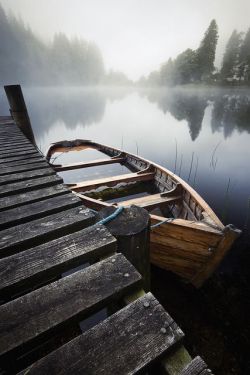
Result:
pixel 231 57
pixel 244 59
pixel 205 54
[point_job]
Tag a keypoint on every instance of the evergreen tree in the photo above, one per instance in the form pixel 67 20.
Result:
pixel 244 59
pixel 231 57
pixel 167 73
pixel 205 54
pixel 185 67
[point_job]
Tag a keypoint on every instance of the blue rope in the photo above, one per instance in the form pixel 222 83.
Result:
pixel 119 210
pixel 112 216
pixel 168 220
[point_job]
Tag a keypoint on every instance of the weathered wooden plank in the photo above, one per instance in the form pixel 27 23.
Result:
pixel 13 154
pixel 13 142
pixel 33 233
pixel 31 196
pixel 93 163
pixel 16 150
pixel 32 211
pixel 27 185
pixel 21 157
pixel 31 318
pixel 164 257
pixel 27 175
pixel 195 367
pixel 37 265
pixel 22 168
pixel 15 163
pixel 188 231
pixel 151 201
pixel 125 343
pixel 111 181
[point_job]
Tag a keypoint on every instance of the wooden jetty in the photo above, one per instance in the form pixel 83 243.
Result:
pixel 59 267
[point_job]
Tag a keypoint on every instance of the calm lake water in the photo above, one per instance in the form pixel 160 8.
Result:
pixel 203 135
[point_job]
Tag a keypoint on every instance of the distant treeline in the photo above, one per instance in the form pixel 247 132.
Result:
pixel 25 59
pixel 197 66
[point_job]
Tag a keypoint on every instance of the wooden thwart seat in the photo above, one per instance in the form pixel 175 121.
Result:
pixel 92 163
pixel 122 344
pixel 111 181
pixel 150 201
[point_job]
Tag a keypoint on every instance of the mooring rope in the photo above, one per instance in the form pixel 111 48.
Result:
pixel 168 220
pixel 119 210
pixel 112 216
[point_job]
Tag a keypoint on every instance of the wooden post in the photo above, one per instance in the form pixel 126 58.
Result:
pixel 19 111
pixel 132 230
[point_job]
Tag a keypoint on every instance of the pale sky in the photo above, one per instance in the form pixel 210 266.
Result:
pixel 135 36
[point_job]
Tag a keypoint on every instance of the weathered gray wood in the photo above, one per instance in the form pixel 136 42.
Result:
pixel 20 157
pixel 34 233
pixel 22 168
pixel 15 143
pixel 15 163
pixel 125 343
pixel 16 150
pixel 131 228
pixel 19 111
pixel 32 211
pixel 13 154
pixel 37 265
pixel 27 185
pixel 31 196
pixel 195 367
pixel 33 317
pixel 29 175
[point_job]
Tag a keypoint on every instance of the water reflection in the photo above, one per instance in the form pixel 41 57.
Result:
pixel 231 111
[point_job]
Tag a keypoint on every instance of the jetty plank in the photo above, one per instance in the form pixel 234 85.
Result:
pixel 64 301
pixel 26 175
pixel 17 200
pixel 23 236
pixel 36 265
pixel 124 343
pixel 24 158
pixel 13 154
pixel 17 150
pixel 22 168
pixel 111 181
pixel 36 210
pixel 27 185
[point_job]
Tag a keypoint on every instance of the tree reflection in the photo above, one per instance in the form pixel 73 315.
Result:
pixel 231 112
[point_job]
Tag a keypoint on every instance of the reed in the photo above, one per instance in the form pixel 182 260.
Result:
pixel 137 148
pixel 180 165
pixel 191 166
pixel 196 169
pixel 213 162
pixel 176 155
pixel 246 225
pixel 226 201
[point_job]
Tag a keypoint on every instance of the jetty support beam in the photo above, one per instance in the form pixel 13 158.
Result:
pixel 19 111
pixel 131 228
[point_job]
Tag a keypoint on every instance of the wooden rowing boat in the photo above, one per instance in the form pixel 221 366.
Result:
pixel 191 243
